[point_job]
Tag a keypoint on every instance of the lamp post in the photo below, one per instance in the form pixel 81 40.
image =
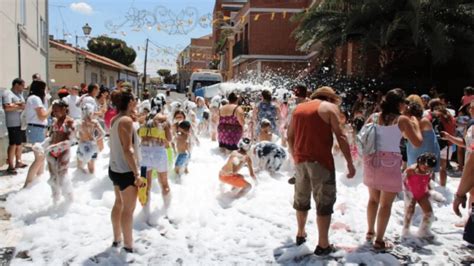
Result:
pixel 86 29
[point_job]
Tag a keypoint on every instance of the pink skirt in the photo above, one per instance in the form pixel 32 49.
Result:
pixel 382 171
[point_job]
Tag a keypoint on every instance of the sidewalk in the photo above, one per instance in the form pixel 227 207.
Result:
pixel 10 236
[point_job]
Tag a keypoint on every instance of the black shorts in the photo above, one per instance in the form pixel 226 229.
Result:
pixel 16 136
pixel 122 180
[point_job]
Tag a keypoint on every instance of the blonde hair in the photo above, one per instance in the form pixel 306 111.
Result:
pixel 416 99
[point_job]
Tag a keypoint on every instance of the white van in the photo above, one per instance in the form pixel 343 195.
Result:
pixel 204 78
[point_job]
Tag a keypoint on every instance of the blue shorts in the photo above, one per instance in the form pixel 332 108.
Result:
pixel 182 160
pixel 35 134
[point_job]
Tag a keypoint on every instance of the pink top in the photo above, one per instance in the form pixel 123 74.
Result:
pixel 417 184
pixel 467 99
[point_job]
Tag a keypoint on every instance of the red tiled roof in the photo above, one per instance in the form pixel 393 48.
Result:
pixel 93 57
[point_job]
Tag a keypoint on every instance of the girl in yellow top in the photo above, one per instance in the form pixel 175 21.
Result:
pixel 155 137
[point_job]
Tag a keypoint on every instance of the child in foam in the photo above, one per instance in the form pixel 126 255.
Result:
pixel 155 134
pixel 229 173
pixel 266 132
pixel 416 189
pixel 57 150
pixel 183 147
pixel 89 132
pixel 214 119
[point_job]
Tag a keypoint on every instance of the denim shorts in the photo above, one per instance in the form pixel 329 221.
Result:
pixel 35 134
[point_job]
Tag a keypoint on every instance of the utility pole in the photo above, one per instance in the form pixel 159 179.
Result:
pixel 144 68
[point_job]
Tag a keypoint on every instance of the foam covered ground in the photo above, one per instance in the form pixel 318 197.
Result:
pixel 204 226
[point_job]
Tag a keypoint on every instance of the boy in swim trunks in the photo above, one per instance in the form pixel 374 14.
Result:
pixel 89 131
pixel 182 142
pixel 229 174
pixel 416 189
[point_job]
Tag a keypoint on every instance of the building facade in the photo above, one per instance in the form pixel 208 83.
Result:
pixel 69 66
pixel 23 40
pixel 197 55
pixel 254 37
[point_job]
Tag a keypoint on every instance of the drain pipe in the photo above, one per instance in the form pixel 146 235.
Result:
pixel 19 49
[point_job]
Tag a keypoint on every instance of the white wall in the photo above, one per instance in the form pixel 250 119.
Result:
pixel 129 77
pixel 33 53
pixel 103 74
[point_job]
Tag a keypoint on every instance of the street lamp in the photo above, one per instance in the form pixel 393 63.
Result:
pixel 86 29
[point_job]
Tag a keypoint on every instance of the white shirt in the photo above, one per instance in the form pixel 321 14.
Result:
pixel 32 103
pixel 74 110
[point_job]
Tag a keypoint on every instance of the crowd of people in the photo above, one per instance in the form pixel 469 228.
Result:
pixel 403 144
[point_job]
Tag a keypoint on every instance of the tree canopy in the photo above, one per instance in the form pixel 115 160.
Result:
pixel 112 48
pixel 433 29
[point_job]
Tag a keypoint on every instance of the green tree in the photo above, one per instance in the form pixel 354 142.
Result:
pixel 165 75
pixel 163 72
pixel 394 28
pixel 112 48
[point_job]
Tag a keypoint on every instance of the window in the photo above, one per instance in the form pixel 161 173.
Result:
pixel 23 12
pixel 111 82
pixel 93 78
pixel 44 33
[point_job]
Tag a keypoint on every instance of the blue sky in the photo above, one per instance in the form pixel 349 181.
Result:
pixel 66 18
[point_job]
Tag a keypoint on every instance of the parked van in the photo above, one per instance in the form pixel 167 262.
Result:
pixel 205 77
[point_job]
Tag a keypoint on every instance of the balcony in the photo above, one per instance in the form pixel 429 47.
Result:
pixel 240 48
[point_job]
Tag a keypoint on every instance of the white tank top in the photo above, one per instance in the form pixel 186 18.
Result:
pixel 117 161
pixel 388 138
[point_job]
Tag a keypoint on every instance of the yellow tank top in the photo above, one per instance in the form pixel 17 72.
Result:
pixel 152 132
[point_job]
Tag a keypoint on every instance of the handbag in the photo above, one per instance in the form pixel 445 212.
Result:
pixel 366 139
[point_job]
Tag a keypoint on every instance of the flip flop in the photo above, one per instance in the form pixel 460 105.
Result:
pixel 20 165
pixel 11 171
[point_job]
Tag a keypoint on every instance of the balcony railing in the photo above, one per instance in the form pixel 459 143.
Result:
pixel 240 48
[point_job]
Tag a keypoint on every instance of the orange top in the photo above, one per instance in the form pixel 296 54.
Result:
pixel 313 137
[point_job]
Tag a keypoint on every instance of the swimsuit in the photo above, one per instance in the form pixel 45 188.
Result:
pixel 229 131
pixel 235 180
pixel 182 160
pixel 417 184
pixel 87 151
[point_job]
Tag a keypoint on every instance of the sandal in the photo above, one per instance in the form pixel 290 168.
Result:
pixel 382 245
pixel 369 237
pixel 11 171
pixel 300 240
pixel 20 165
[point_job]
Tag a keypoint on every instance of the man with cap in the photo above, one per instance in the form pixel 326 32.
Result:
pixel 314 162
pixel 71 100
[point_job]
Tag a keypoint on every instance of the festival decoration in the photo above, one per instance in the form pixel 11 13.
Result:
pixel 162 19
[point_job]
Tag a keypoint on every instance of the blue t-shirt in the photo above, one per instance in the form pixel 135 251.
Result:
pixel 199 92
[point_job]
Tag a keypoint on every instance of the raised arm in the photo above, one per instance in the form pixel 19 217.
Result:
pixel 411 130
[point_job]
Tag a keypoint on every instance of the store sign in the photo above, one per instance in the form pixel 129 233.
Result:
pixel 63 66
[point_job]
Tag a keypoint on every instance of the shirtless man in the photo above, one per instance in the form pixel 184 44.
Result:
pixel 88 133
pixel 229 174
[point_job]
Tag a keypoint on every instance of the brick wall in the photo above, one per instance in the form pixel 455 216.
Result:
pixel 272 37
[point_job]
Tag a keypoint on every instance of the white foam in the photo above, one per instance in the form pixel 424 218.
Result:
pixel 204 226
